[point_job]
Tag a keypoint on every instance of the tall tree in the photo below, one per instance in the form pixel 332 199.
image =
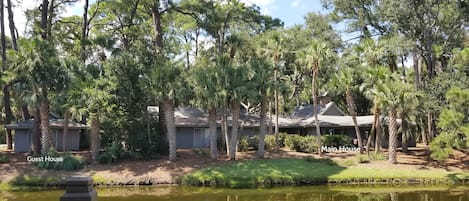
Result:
pixel 345 79
pixel 315 56
pixel 6 87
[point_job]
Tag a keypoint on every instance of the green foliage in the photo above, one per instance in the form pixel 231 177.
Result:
pixel 336 140
pixel 243 144
pixel 69 162
pixel 201 152
pixel 307 144
pixel 4 159
pixel 292 141
pixel 30 180
pixel 320 160
pixel 270 142
pixel 454 125
pixel 111 154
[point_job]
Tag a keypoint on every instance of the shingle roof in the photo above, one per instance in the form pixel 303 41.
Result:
pixel 54 123
pixel 307 111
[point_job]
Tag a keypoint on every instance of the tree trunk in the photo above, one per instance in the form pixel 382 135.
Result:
pixel 25 112
pixel 225 128
pixel 404 136
pixel 6 89
pixel 376 126
pixel 430 125
pixel 315 105
pixel 262 128
pixel 84 31
pixel 168 107
pixel 416 70
pixel 379 136
pixel 271 131
pixel 44 16
pixel 36 132
pixel 46 141
pixel 277 146
pixel 424 136
pixel 65 134
pixel 157 29
pixel 94 135
pixel 392 145
pixel 212 127
pixel 234 129
pixel 351 107
pixel 13 33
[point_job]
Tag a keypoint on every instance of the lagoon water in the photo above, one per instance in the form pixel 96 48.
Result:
pixel 310 193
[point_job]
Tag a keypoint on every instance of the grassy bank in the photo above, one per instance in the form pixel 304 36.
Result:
pixel 304 172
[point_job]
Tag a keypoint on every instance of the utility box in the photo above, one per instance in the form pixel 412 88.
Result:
pixel 79 188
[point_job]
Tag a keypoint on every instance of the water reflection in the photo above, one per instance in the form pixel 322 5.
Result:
pixel 312 193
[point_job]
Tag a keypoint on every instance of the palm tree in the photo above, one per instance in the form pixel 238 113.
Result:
pixel 316 55
pixel 344 79
pixel 262 83
pixel 407 112
pixel 274 46
pixel 208 93
pixel 392 92
pixel 373 78
pixel 166 83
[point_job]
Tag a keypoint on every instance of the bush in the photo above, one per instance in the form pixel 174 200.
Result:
pixel 307 144
pixel 111 154
pixel 320 160
pixel 362 158
pixel 292 141
pixel 4 159
pixel 69 162
pixel 201 152
pixel 254 142
pixel 243 144
pixel 336 140
pixel 269 142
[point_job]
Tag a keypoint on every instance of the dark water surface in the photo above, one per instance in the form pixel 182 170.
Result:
pixel 310 193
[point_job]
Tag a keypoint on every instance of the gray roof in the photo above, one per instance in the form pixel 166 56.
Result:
pixel 194 117
pixel 308 111
pixel 54 123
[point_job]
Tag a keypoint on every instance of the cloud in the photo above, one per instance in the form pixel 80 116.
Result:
pixel 295 3
pixel 265 5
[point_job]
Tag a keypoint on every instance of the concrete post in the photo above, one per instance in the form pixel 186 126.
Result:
pixel 79 188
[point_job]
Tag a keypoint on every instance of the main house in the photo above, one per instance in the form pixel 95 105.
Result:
pixel 192 123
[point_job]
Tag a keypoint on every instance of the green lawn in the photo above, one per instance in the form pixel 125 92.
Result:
pixel 302 172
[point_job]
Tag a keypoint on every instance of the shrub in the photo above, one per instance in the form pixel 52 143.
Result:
pixel 243 144
pixel 282 137
pixel 307 144
pixel 336 140
pixel 269 142
pixel 201 152
pixel 4 159
pixel 362 158
pixel 111 154
pixel 69 162
pixel 292 141
pixel 254 142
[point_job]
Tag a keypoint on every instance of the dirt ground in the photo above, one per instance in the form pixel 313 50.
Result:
pixel 164 172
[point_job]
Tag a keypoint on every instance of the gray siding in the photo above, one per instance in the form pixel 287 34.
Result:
pixel 73 139
pixel 22 140
pixel 188 138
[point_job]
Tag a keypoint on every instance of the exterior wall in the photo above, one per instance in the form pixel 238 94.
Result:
pixel 73 139
pixel 22 140
pixel 190 137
